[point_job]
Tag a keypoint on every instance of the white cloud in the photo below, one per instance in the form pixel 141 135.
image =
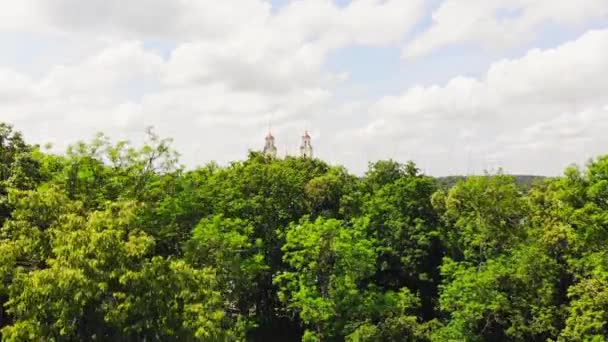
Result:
pixel 533 114
pixel 20 15
pixel 247 65
pixel 365 22
pixel 177 20
pixel 499 23
pixel 14 87
pixel 103 73
pixel 233 65
pixel 360 22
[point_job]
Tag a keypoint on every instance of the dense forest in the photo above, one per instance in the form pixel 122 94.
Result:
pixel 114 242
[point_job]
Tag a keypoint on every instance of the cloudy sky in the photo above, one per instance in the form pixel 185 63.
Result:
pixel 458 86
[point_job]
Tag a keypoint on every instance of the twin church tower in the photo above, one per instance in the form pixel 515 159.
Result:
pixel 270 150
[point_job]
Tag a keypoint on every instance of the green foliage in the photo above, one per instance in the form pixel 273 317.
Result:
pixel 99 283
pixel 227 246
pixel 588 312
pixel 523 182
pixel 508 298
pixel 329 285
pixel 329 262
pixel 325 194
pixel 483 217
pixel 115 242
pixel 402 220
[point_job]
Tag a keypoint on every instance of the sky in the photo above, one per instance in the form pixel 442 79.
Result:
pixel 458 86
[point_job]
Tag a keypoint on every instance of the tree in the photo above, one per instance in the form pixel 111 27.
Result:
pixel 17 169
pixel 483 216
pixel 269 194
pixel 325 193
pixel 228 246
pixel 575 232
pixel 328 285
pixel 507 298
pixel 588 312
pixel 98 283
pixel 405 226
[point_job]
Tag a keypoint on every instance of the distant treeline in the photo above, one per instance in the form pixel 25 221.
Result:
pixel 524 182
pixel 110 242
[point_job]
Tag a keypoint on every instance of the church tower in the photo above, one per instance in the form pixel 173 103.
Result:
pixel 270 150
pixel 306 147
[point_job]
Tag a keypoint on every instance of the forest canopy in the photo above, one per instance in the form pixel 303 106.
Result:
pixel 115 242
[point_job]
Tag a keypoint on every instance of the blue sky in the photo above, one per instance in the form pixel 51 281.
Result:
pixel 459 86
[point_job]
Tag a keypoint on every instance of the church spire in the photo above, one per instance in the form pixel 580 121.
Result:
pixel 270 150
pixel 306 147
